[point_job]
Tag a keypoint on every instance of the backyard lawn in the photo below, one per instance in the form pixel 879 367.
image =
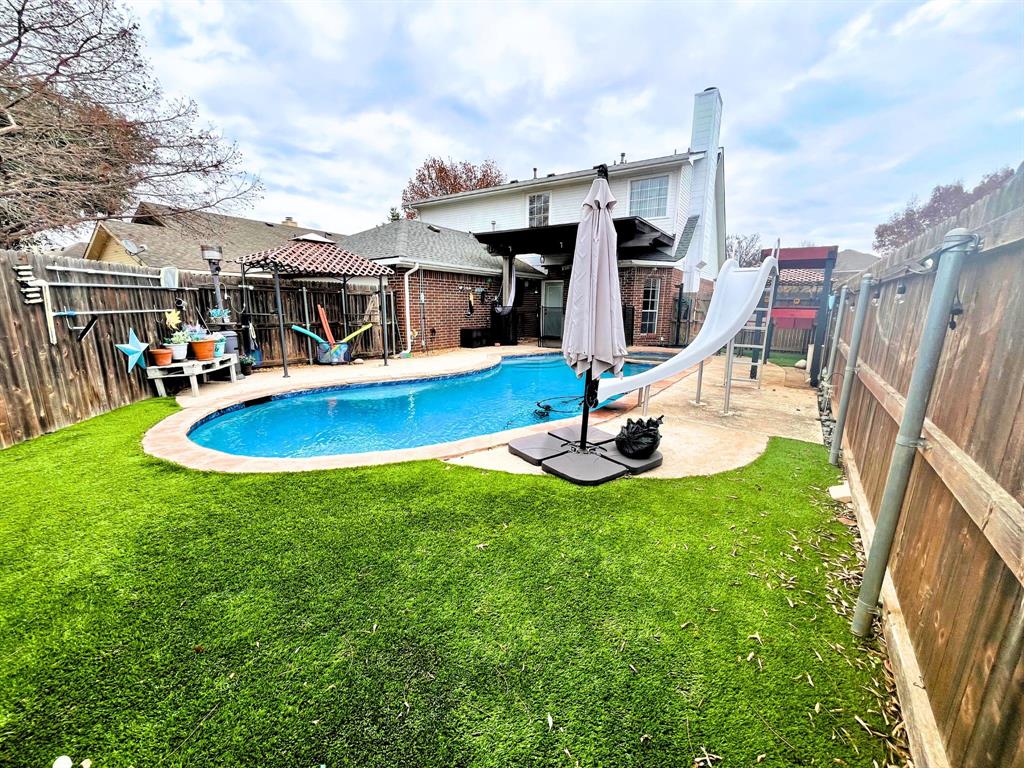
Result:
pixel 420 614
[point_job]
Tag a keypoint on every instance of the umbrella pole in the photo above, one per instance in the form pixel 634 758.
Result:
pixel 586 410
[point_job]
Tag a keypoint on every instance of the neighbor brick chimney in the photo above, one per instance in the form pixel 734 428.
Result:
pixel 288 220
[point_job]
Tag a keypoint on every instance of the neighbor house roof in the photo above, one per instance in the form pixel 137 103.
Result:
pixel 406 242
pixel 554 178
pixel 850 262
pixel 314 256
pixel 173 241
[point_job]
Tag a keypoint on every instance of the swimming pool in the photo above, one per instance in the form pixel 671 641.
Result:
pixel 392 415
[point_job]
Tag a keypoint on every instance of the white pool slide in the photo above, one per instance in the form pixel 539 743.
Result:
pixel 737 293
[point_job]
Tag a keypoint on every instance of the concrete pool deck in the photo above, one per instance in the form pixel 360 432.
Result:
pixel 696 440
pixel 699 440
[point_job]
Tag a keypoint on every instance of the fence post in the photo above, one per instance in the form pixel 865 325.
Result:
pixel 955 246
pixel 840 306
pixel 851 367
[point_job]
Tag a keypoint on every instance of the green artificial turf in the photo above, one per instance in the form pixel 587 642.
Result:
pixel 419 614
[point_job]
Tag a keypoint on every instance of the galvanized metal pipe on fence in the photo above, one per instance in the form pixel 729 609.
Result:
pixel 851 367
pixel 839 312
pixel 955 247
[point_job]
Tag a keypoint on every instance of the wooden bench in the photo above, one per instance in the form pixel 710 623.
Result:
pixel 193 369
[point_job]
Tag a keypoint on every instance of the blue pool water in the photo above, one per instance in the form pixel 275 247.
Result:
pixel 387 416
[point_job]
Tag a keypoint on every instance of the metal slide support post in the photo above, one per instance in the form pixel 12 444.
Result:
pixel 838 312
pixel 305 320
pixel 728 376
pixel 645 394
pixel 863 299
pixel 700 381
pixel 383 318
pixel 280 320
pixel 955 247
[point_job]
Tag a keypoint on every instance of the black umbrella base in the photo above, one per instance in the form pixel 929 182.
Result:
pixel 600 463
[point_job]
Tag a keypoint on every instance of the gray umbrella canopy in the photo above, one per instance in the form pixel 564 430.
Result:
pixel 593 338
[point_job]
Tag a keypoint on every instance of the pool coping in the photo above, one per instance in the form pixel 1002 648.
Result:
pixel 169 440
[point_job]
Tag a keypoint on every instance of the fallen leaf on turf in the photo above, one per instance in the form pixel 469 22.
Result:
pixel 551 722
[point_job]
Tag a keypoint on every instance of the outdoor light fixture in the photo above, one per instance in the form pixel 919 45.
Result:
pixel 876 296
pixel 213 254
pixel 901 292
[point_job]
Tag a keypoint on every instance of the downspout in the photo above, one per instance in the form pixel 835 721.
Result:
pixel 408 319
pixel 955 246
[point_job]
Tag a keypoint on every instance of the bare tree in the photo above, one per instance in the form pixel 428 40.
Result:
pixel 445 177
pixel 946 200
pixel 746 249
pixel 85 131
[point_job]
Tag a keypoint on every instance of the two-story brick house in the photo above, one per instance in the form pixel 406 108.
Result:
pixel 670 218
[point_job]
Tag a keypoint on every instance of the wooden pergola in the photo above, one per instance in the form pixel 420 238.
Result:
pixel 312 256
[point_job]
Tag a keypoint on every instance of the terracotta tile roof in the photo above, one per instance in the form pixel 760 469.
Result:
pixel 314 257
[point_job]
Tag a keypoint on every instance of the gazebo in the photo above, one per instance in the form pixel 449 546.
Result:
pixel 314 256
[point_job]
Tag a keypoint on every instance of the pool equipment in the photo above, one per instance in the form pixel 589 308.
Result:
pixel 329 352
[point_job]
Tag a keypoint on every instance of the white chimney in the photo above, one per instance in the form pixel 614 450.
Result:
pixel 704 244
pixel 707 120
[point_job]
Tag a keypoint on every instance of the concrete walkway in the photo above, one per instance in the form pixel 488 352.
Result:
pixel 699 440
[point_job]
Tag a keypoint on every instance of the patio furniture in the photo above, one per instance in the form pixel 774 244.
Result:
pixel 193 369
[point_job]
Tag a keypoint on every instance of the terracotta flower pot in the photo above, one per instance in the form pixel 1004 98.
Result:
pixel 160 356
pixel 202 349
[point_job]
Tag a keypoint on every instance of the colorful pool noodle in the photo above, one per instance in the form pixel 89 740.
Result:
pixel 309 333
pixel 356 332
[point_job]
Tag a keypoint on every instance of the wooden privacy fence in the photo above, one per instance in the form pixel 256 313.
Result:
pixel 954 601
pixel 45 386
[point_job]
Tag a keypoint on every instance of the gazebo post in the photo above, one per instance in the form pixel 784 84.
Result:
pixel 344 304
pixel 383 318
pixel 280 319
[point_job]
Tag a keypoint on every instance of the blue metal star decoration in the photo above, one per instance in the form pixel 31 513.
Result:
pixel 135 350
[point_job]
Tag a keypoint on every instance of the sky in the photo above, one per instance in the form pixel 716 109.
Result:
pixel 835 113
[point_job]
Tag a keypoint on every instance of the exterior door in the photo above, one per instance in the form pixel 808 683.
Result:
pixel 551 309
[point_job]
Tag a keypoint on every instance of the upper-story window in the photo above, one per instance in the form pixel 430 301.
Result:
pixel 649 197
pixel 540 206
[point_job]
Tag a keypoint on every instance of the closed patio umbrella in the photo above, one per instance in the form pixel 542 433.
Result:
pixel 593 339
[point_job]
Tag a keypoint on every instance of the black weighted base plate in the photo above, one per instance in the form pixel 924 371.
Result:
pixel 571 434
pixel 635 466
pixel 583 468
pixel 536 448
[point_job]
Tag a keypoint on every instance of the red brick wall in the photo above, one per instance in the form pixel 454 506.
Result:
pixel 632 281
pixel 447 301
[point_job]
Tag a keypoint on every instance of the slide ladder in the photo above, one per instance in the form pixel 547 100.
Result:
pixel 739 291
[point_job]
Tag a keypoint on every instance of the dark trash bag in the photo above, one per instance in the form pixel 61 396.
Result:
pixel 639 439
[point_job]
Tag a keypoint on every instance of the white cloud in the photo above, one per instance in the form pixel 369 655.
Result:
pixel 833 112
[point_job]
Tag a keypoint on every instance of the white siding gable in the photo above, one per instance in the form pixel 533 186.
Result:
pixel 510 210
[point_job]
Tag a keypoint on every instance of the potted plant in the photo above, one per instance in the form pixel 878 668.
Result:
pixel 246 362
pixel 160 355
pixel 200 342
pixel 219 343
pixel 222 316
pixel 177 343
